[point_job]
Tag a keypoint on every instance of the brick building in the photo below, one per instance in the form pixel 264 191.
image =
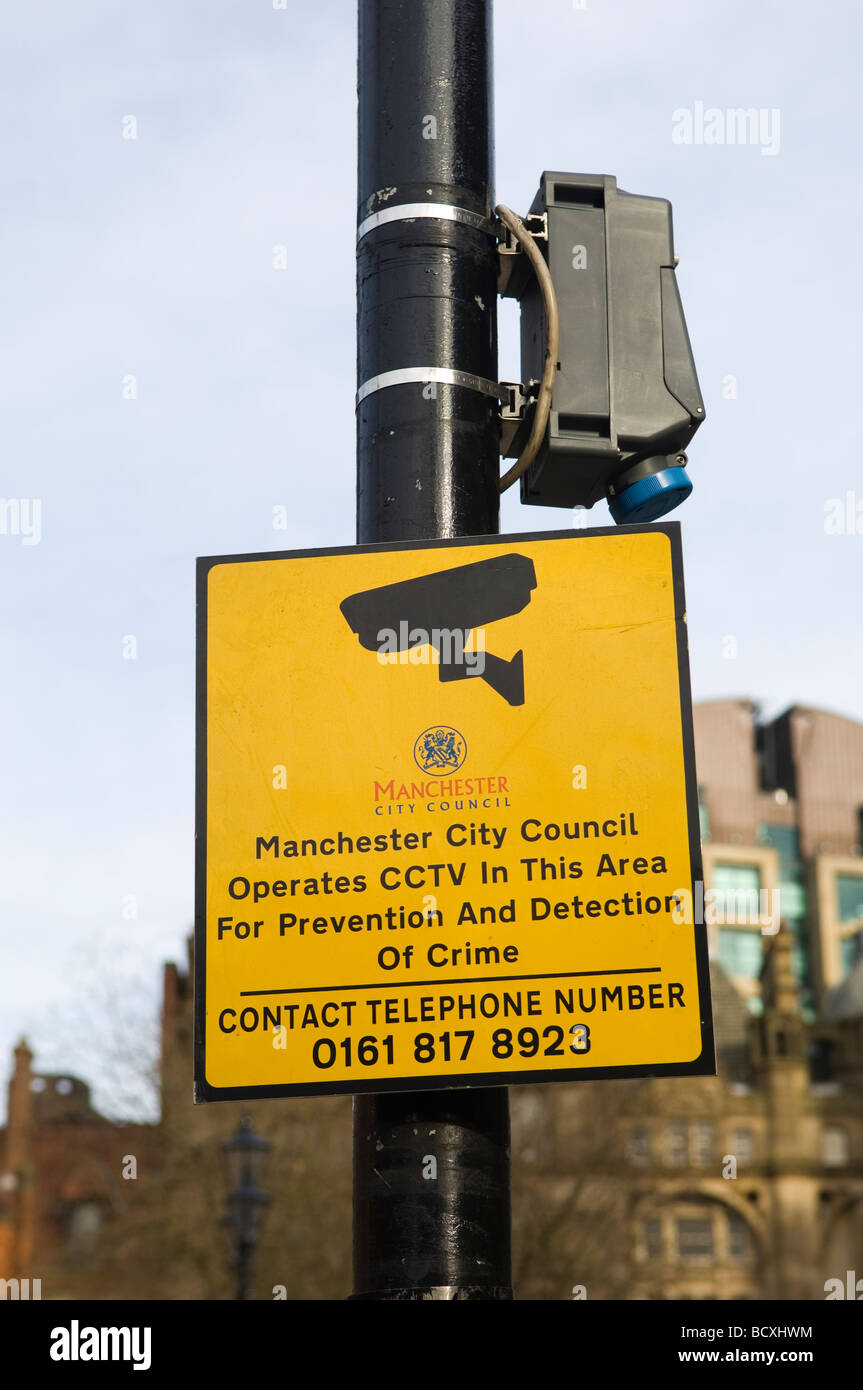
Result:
pixel 62 1182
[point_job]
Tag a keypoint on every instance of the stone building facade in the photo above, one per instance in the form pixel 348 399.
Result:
pixel 750 1184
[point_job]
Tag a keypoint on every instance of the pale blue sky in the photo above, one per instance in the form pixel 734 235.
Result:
pixel 153 257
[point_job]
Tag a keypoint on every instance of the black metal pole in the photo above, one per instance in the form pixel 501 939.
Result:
pixel 428 467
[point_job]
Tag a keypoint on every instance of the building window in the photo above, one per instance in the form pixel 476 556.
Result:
pixel 651 1235
pixel 834 1146
pixel 792 897
pixel 638 1148
pixel 695 1239
pixel 849 895
pixel 703 1142
pixel 850 950
pixel 676 1145
pixel 783 838
pixel 737 1233
pixel 740 952
pixel 82 1221
pixel 743 1145
pixel 735 892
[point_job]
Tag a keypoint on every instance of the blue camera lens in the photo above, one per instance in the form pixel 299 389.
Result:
pixel 650 497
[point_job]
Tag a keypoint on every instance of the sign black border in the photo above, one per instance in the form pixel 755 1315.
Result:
pixel 703 1065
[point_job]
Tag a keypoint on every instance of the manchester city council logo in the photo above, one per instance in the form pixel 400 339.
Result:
pixel 439 750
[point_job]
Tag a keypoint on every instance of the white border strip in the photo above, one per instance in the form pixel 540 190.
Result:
pixel 409 212
pixel 448 376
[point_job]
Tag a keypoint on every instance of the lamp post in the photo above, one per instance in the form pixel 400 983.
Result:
pixel 245 1157
pixel 428 468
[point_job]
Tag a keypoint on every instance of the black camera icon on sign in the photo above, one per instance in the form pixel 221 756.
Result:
pixel 440 612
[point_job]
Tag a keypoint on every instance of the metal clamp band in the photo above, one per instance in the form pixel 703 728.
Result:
pixel 448 376
pixel 409 212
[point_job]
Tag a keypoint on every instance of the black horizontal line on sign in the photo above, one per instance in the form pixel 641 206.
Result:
pixel 485 980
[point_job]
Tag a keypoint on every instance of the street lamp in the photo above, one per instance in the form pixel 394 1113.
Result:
pixel 245 1156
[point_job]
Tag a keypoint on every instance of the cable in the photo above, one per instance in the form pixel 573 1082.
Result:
pixel 526 241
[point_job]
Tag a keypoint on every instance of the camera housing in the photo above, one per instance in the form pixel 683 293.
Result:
pixel 626 398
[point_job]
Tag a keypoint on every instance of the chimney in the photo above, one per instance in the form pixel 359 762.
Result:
pixel 20 1123
pixel 19 1162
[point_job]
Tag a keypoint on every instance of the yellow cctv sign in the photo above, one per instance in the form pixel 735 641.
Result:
pixel 447 818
